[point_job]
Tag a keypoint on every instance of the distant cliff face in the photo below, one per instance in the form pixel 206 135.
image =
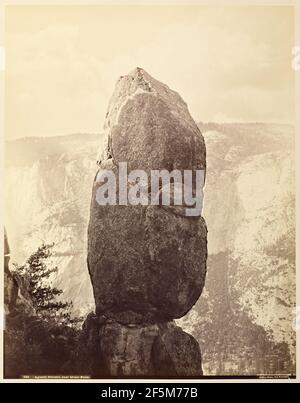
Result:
pixel 250 290
pixel 256 220
pixel 249 209
pixel 48 200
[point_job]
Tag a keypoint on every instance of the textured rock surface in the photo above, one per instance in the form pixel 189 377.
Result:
pixel 15 287
pixel 127 351
pixel 149 126
pixel 152 262
pixel 176 353
pixel 158 350
pixel 147 263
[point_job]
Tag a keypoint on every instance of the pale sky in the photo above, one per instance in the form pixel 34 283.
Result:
pixel 228 64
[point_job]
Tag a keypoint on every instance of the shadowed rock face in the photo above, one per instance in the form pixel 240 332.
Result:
pixel 147 263
pixel 15 289
pixel 110 349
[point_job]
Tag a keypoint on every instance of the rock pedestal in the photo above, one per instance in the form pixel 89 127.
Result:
pixel 147 263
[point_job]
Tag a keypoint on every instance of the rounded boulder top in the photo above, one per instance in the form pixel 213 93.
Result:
pixel 149 126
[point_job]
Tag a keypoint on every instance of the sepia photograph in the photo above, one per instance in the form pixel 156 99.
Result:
pixel 149 192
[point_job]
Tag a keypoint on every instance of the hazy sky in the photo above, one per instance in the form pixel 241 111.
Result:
pixel 229 64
